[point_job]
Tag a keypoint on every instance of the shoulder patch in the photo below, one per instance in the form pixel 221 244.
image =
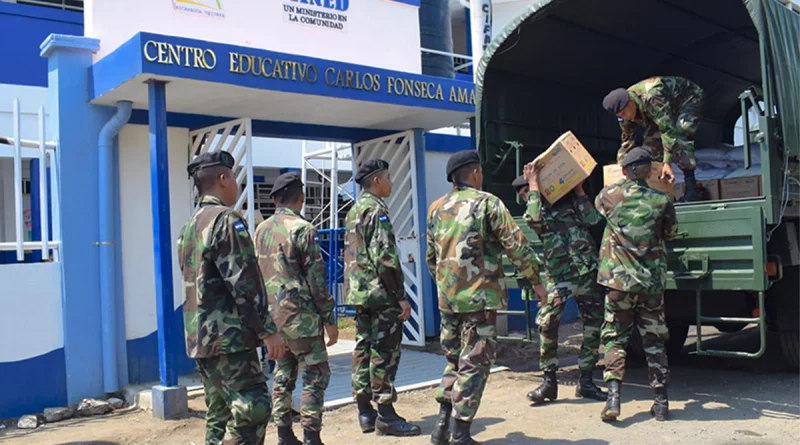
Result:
pixel 316 238
pixel 239 226
pixel 383 218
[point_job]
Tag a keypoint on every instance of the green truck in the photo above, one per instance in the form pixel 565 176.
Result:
pixel 736 262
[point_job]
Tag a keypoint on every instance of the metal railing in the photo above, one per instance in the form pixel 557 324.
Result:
pixel 461 62
pixel 46 151
pixel 67 5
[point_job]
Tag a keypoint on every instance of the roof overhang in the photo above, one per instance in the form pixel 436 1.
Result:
pixel 214 79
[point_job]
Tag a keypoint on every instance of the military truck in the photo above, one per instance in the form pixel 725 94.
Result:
pixel 735 261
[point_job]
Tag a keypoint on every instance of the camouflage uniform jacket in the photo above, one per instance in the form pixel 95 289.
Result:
pixel 372 274
pixel 658 100
pixel 294 273
pixel 568 248
pixel 225 308
pixel 633 256
pixel 468 230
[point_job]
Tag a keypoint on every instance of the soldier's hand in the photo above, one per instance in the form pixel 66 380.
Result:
pixel 667 174
pixel 406 307
pixel 541 292
pixel 275 347
pixel 333 334
pixel 579 189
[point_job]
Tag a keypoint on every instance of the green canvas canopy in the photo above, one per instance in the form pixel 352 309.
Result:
pixel 547 71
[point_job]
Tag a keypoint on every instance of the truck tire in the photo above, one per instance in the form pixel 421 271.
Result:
pixel 790 345
pixel 678 331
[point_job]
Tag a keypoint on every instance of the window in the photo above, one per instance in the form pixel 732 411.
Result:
pixel 69 5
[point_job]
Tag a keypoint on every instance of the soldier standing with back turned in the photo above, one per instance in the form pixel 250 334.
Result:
pixel 468 231
pixel 297 288
pixel 374 285
pixel 633 268
pixel 225 315
pixel 570 263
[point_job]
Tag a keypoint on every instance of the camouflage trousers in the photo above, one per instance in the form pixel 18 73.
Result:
pixel 311 355
pixel 237 399
pixel 379 332
pixel 589 296
pixel 687 119
pixel 469 342
pixel 624 312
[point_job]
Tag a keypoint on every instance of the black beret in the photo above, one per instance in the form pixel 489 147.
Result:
pixel 460 159
pixel 208 159
pixel 638 155
pixel 369 168
pixel 616 101
pixel 285 181
pixel 519 182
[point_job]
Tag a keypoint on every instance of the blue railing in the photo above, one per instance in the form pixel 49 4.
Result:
pixel 332 241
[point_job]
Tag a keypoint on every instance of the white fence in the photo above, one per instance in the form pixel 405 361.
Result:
pixel 45 151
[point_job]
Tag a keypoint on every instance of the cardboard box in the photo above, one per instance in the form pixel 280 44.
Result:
pixel 736 188
pixel 613 173
pixel 565 164
pixel 711 187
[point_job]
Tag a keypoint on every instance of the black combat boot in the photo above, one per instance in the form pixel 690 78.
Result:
pixel 366 414
pixel 548 390
pixel 587 389
pixel 286 436
pixel 612 409
pixel 660 408
pixel 692 192
pixel 461 434
pixel 441 431
pixel 311 438
pixel 390 424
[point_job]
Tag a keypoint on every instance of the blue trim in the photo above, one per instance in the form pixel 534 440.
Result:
pixel 430 305
pixel 142 353
pixel 109 74
pixel 27 26
pixel 162 239
pixel 445 143
pixel 408 2
pixel 31 385
pixel 285 130
pixel 76 124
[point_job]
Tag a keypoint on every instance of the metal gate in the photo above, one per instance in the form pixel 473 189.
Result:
pixel 398 150
pixel 235 137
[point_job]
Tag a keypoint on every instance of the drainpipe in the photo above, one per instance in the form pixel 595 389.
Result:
pixel 108 292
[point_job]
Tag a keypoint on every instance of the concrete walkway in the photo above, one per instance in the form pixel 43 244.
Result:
pixel 417 370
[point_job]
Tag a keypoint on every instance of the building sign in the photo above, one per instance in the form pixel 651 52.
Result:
pixel 208 8
pixel 232 64
pixel 330 14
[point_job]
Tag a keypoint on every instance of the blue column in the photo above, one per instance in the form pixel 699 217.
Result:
pixel 162 242
pixel 429 301
pixel 468 29
pixel 76 124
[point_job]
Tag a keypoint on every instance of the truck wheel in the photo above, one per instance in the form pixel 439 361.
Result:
pixel 790 344
pixel 678 331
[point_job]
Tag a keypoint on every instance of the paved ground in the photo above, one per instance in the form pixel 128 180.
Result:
pixel 713 401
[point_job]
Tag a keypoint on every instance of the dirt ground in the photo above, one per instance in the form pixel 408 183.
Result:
pixel 712 401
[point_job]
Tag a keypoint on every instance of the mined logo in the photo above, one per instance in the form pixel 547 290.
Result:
pixel 209 8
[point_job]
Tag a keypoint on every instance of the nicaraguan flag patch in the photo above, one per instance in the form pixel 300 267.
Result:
pixel 239 226
pixel 383 218
pixel 316 238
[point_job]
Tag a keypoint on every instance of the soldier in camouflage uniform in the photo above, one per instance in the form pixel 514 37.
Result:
pixel 633 268
pixel 468 231
pixel 374 285
pixel 225 315
pixel 670 110
pixel 297 289
pixel 570 263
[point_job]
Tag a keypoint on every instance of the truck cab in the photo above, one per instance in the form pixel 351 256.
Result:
pixel 736 260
